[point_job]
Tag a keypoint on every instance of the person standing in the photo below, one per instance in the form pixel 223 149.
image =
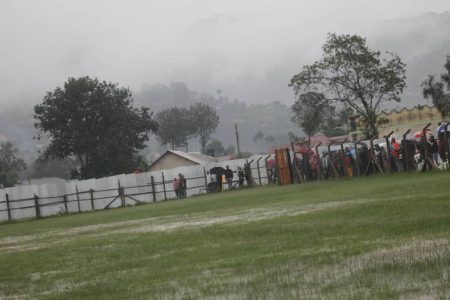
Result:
pixel 248 175
pixel 395 148
pixel 182 182
pixel 209 182
pixel 176 187
pixel 229 177
pixel 434 149
pixel 241 177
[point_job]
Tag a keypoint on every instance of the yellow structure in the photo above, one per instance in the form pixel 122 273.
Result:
pixel 400 121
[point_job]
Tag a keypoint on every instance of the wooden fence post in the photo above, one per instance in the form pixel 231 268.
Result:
pixel 36 206
pixel 7 206
pixel 164 186
pixel 206 181
pixel 65 203
pixel 121 192
pixel 78 199
pixel 91 192
pixel 153 188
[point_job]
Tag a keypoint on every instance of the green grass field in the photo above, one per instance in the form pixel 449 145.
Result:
pixel 379 237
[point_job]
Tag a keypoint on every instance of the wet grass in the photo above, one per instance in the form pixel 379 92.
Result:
pixel 380 237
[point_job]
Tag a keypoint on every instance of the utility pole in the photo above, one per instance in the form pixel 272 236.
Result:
pixel 237 139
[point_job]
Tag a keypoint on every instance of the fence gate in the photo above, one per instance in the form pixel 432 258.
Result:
pixel 283 165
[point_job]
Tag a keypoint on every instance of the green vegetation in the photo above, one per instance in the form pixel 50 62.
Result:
pixel 353 76
pixel 10 165
pixel 379 237
pixel 95 123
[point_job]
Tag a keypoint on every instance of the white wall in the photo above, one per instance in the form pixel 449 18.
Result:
pixel 107 189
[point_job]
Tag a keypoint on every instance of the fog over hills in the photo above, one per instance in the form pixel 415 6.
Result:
pixel 422 42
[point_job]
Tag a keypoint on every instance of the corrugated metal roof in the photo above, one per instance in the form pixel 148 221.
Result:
pixel 196 157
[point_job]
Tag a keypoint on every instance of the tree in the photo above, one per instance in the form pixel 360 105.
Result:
pixel 436 91
pixel 48 167
pixel 230 150
pixel 352 75
pixel 259 136
pixel 215 148
pixel 205 121
pixel 269 139
pixel 96 123
pixel 175 126
pixel 336 123
pixel 310 112
pixel 10 165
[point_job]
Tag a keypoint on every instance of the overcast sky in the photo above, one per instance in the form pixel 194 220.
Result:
pixel 238 46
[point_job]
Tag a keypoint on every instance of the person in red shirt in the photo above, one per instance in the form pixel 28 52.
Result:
pixel 395 148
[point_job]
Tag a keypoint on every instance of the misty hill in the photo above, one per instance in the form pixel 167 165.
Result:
pixel 422 42
pixel 271 119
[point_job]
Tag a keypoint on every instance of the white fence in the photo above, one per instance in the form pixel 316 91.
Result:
pixel 33 201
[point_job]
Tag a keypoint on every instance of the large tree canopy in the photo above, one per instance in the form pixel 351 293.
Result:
pixel 310 112
pixel 178 124
pixel 205 121
pixel 435 89
pixel 354 76
pixel 96 123
pixel 175 126
pixel 10 165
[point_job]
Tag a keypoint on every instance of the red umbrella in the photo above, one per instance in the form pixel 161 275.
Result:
pixel 418 134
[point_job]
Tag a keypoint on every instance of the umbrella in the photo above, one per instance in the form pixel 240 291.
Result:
pixel 217 170
pixel 418 134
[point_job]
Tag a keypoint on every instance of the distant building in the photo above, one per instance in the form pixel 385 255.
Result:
pixel 400 121
pixel 173 159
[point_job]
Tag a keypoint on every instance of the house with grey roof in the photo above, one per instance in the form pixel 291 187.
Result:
pixel 173 159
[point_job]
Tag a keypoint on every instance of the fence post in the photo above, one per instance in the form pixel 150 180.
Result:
pixel 298 171
pixel 91 192
pixel 358 161
pixel 259 173
pixel 153 188
pixel 447 145
pixel 36 206
pixel 7 206
pixel 120 191
pixel 65 203
pixel 343 157
pixel 269 179
pixel 164 186
pixel 206 181
pixel 405 145
pixel 423 141
pixel 78 198
pixel 388 152
pixel 330 168
pixel 319 162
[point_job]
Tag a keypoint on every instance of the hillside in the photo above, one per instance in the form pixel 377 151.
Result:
pixel 422 42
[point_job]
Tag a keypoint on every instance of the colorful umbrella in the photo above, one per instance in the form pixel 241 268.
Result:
pixel 418 134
